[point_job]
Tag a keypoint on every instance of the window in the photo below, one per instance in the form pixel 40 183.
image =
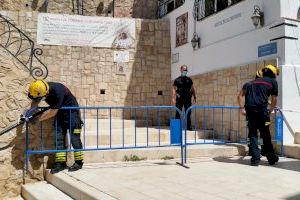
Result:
pixel 205 8
pixel 209 7
pixel 167 6
pixel 221 5
pixel 170 7
pixel 235 1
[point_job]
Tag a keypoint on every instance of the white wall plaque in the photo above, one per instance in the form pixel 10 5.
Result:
pixel 121 68
pixel 121 56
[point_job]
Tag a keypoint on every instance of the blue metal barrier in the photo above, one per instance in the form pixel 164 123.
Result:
pixel 176 131
pixel 279 119
pixel 216 125
pixel 157 113
pixel 221 125
pixel 212 124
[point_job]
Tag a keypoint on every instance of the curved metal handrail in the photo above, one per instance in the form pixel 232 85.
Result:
pixel 22 48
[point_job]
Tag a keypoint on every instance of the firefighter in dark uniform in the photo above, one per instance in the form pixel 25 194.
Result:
pixel 57 95
pixel 262 151
pixel 256 94
pixel 183 90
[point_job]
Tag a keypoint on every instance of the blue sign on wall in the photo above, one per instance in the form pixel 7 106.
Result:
pixel 267 49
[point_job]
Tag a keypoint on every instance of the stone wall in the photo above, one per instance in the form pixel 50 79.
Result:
pixel 85 70
pixel 220 88
pixel 14 80
pixel 146 9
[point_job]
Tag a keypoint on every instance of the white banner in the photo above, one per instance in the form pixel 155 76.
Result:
pixel 75 30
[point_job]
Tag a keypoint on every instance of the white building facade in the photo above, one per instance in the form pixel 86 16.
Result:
pixel 229 39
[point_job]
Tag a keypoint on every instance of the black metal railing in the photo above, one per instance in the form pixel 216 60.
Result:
pixel 205 8
pixel 22 48
pixel 78 7
pixel 167 6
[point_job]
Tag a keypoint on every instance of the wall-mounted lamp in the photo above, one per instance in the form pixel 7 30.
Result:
pixel 257 17
pixel 195 41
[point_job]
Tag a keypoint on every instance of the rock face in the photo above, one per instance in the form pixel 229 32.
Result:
pixel 13 82
pixel 145 9
pixel 86 71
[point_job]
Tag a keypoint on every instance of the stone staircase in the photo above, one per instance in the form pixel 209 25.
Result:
pixel 63 186
pixel 43 190
pixel 66 185
pixel 293 150
pixel 130 133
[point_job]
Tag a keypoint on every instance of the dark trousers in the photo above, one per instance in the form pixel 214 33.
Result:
pixel 72 122
pixel 186 103
pixel 259 119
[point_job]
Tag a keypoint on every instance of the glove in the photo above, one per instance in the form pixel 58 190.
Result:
pixel 23 118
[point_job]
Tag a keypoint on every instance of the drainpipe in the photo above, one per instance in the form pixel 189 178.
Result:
pixel 113 8
pixel 46 6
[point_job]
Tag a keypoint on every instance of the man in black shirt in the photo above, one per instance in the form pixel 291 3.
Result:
pixel 183 90
pixel 257 93
pixel 57 96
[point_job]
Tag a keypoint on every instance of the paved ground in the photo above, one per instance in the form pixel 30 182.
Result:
pixel 219 178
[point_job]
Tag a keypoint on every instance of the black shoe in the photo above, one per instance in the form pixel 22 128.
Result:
pixel 189 129
pixel 58 167
pixel 255 162
pixel 75 167
pixel 273 159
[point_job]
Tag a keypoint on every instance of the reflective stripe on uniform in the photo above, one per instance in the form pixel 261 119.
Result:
pixel 78 155
pixel 267 123
pixel 60 154
pixel 77 131
pixel 60 160
pixel 60 157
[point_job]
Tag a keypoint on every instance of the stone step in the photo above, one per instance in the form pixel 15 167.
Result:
pixel 105 124
pixel 193 151
pixel 291 150
pixel 42 190
pixel 297 138
pixel 79 189
pixel 75 188
pixel 138 135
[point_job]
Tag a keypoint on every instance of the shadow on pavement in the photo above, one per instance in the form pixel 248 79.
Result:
pixel 284 163
pixel 295 197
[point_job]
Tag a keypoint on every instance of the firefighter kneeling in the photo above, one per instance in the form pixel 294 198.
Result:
pixel 57 95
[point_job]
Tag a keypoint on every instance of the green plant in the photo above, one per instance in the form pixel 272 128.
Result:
pixel 133 158
pixel 167 158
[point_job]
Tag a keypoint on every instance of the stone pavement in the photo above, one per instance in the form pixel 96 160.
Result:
pixel 218 178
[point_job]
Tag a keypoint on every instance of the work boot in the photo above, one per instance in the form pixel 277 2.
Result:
pixel 272 159
pixel 76 166
pixel 255 162
pixel 58 166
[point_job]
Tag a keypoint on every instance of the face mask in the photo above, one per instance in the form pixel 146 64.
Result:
pixel 184 73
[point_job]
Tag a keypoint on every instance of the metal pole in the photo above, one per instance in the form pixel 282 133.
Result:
pixel 113 8
pixel 77 2
pixel 46 6
pixel 27 148
pixel 82 7
pixel 73 5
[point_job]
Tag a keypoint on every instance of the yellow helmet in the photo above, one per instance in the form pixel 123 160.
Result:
pixel 259 73
pixel 38 89
pixel 274 69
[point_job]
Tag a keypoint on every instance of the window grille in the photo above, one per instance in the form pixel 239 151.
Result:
pixel 205 8
pixel 167 6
